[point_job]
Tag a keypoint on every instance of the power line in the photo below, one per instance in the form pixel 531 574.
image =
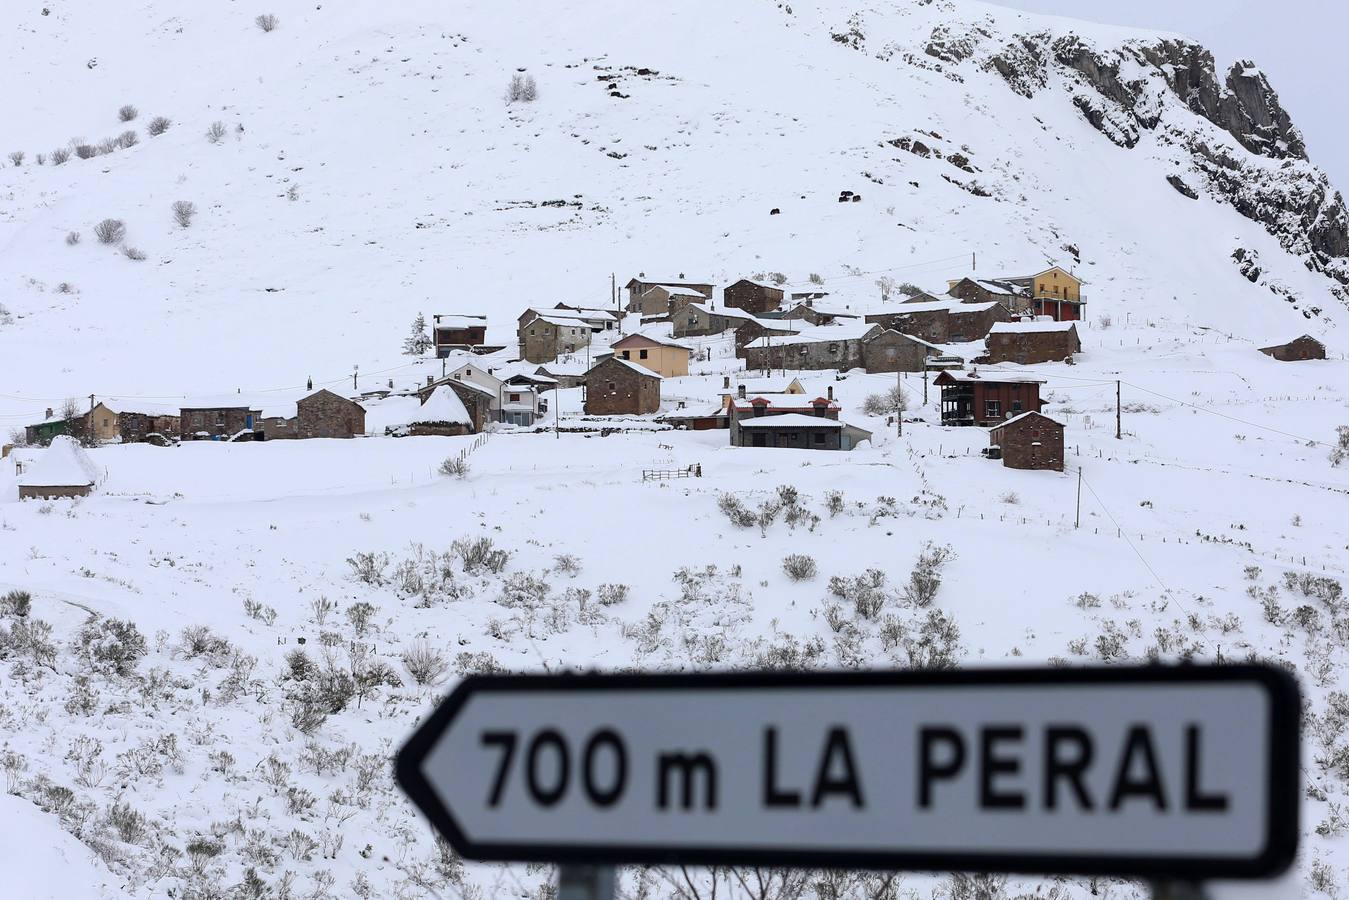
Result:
pixel 1166 591
pixel 1232 418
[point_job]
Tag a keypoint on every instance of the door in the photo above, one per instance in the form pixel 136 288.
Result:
pixel 758 440
pixel 248 421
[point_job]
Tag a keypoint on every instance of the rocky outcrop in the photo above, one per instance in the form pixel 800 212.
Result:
pixel 1181 187
pixel 1023 63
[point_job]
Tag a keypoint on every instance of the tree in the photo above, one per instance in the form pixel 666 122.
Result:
pixel 183 211
pixel 418 342
pixel 887 286
pixel 888 402
pixel 77 422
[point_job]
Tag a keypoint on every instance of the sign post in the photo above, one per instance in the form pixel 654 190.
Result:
pixel 1171 774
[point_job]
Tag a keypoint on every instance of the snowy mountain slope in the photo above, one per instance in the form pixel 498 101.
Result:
pixel 418 186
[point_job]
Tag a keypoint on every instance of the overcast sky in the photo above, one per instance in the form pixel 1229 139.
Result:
pixel 1298 43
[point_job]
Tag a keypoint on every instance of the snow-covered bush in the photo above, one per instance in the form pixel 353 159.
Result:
pixel 799 567
pixel 133 253
pixel 28 640
pixel 833 502
pixel 128 139
pixel 60 155
pixel 267 22
pixel 321 607
pixel 866 592
pixel 17 157
pixel 567 564
pixel 16 603
pixel 127 113
pixel 85 151
pixel 199 642
pixel 183 211
pixel 477 554
pixel 1011 498
pixel 734 510
pixel 255 609
pixel 216 132
pixel 72 238
pixel 522 89
pixel 937 644
pixel 369 567
pixel 425 664
pixel 611 594
pixel 454 467
pixel 158 125
pixel 888 402
pixel 110 231
pixel 925 579
pixel 111 646
pixel 359 615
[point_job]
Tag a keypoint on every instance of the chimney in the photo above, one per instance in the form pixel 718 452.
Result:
pixel 50 412
pixel 830 393
pixel 810 302
pixel 429 379
pixel 725 382
pixel 741 392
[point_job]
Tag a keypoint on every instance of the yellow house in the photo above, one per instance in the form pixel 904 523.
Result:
pixel 103 425
pixel 1056 292
pixel 666 358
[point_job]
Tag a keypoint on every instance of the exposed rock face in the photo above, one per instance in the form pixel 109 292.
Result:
pixel 1124 91
pixel 1179 184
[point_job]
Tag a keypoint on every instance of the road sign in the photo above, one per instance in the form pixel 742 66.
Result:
pixel 1187 772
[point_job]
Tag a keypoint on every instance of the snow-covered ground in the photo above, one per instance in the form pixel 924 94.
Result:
pixel 214 759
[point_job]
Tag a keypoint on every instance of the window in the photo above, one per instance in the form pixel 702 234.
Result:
pixel 803 350
pixel 531 331
pixel 819 437
pixel 833 348
pixel 1016 405
pixel 627 354
pixel 992 409
pixel 196 419
pixel 515 398
pixel 611 387
pixel 1042 287
pixel 641 354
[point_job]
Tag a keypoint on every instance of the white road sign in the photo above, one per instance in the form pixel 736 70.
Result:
pixel 1180 772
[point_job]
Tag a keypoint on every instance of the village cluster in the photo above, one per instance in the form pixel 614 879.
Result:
pixel 621 368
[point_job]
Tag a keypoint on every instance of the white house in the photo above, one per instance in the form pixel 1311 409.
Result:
pixel 512 404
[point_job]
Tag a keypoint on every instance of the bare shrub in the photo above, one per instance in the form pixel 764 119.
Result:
pixel 42 159
pixel 127 113
pixel 522 89
pixel 183 211
pixel 479 553
pixel 110 231
pixel 833 502
pixel 60 155
pixel 454 467
pixel 1340 452
pixel 259 611
pixel 799 567
pixel 158 125
pixel 199 642
pixel 293 193
pixel 108 145
pixel 886 284
pixel 359 615
pixel 17 157
pixel 321 607
pixel 86 151
pixel 128 139
pixel 866 592
pixel 16 604
pixel 134 253
pixel 888 402
pixel 1010 498
pixel 937 644
pixel 216 133
pixel 567 564
pixel 814 278
pixel 267 22
pixel 611 594
pixel 425 664
pixel 734 510
pixel 369 567
pixel 925 579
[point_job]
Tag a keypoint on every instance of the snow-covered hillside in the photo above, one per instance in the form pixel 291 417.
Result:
pixel 419 189
pixel 369 169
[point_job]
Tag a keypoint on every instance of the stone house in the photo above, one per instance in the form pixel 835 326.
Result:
pixel 616 387
pixel 829 347
pixel 752 296
pixel 1030 440
pixel 52 425
pixel 667 358
pixel 744 390
pixel 928 321
pixel 567 375
pixel 975 398
pixel 1035 341
pixel 324 414
pixel 972 321
pixel 1305 347
pixel 476 399
pixel 598 319
pixel 441 412
pixel 661 299
pixel 546 335
pixel 138 420
pixel 806 293
pixel 982 290
pixel 699 320
pixel 216 421
pixel 63 470
pixel 808 311
pixel 791 422
pixel 455 332
pixel 754 329
pixel 638 287
pixel 892 351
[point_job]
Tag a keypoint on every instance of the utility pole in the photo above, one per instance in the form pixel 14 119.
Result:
pixel 355 370
pixel 1117 418
pixel 1077 523
pixel 974 261
pixel 91 403
pixel 899 405
pixel 557 413
pixel 924 382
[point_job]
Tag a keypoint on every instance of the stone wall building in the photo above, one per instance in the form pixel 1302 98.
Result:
pixel 324 414
pixel 546 335
pixel 639 287
pixel 1036 341
pixel 973 321
pixel 1016 299
pixel 928 321
pixel 616 387
pixel 699 320
pixel 830 347
pixel 891 351
pixel 752 296
pixel 1030 440
pixel 1305 347
pixel 198 423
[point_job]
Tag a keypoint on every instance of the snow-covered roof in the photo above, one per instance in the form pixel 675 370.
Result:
pixel 63 464
pixel 121 405
pixel 905 309
pixel 790 420
pixel 675 290
pixel 782 401
pixel 280 404
pixel 988 375
pixel 729 312
pixel 817 334
pixel 916 340
pixel 459 321
pixel 1038 325
pixel 443 405
pixel 569 316
pixel 651 335
pixel 957 307
pixel 1020 416
pixel 997 287
pixel 631 365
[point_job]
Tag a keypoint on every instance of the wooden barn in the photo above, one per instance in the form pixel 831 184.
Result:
pixel 1305 347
